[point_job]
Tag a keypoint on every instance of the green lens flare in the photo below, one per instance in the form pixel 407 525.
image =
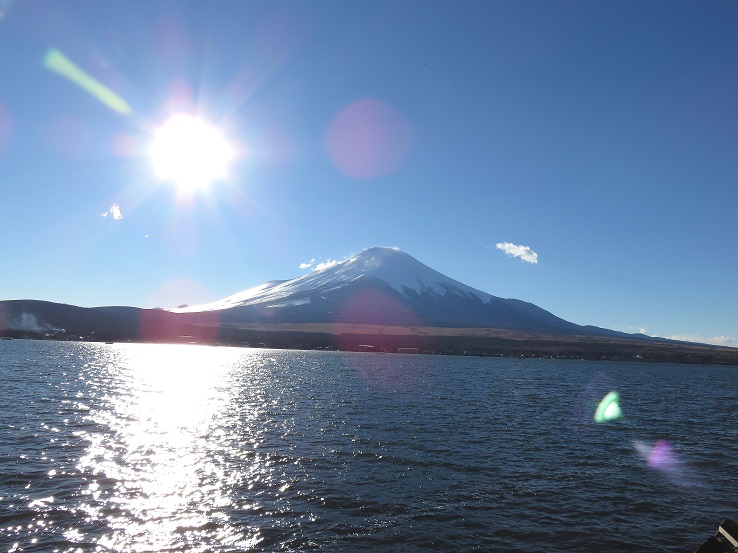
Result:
pixel 62 65
pixel 609 408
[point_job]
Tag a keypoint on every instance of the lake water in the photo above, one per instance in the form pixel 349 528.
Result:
pixel 137 447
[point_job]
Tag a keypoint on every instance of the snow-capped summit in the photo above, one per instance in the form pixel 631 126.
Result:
pixel 383 286
pixel 402 272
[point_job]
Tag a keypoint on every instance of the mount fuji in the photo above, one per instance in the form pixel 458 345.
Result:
pixel 384 286
pixel 381 300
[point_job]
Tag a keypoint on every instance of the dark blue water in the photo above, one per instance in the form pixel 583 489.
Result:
pixel 189 448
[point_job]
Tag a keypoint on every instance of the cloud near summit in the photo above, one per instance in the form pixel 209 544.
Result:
pixel 523 252
pixel 320 266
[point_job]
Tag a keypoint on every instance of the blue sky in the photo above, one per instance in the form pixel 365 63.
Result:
pixel 603 136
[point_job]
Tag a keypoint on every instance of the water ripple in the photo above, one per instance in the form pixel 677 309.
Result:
pixel 182 448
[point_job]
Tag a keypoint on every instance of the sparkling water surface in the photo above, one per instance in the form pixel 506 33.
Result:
pixel 139 447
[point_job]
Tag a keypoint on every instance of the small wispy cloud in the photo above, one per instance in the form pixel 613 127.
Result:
pixel 114 212
pixel 523 252
pixel 325 264
pixel 320 266
pixel 630 329
pixel 714 340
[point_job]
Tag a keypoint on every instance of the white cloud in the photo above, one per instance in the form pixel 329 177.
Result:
pixel 523 252
pixel 114 211
pixel 325 264
pixel 715 340
pixel 631 329
pixel 320 266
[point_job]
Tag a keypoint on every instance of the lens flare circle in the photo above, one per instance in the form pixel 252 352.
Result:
pixel 4 128
pixel 609 408
pixel 189 152
pixel 369 139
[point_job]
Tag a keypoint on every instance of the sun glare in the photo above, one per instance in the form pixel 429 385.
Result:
pixel 190 152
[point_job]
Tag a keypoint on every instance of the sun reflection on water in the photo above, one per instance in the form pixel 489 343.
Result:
pixel 159 474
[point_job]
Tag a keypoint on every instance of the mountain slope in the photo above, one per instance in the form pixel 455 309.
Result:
pixel 384 286
pixel 394 267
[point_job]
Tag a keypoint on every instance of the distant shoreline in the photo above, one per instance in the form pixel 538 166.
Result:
pixel 484 342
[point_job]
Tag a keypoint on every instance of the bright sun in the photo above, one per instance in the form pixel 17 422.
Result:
pixel 190 152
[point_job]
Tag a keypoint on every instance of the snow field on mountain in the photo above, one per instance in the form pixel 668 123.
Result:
pixel 393 266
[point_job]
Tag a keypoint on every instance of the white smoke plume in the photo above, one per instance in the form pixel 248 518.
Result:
pixel 29 323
